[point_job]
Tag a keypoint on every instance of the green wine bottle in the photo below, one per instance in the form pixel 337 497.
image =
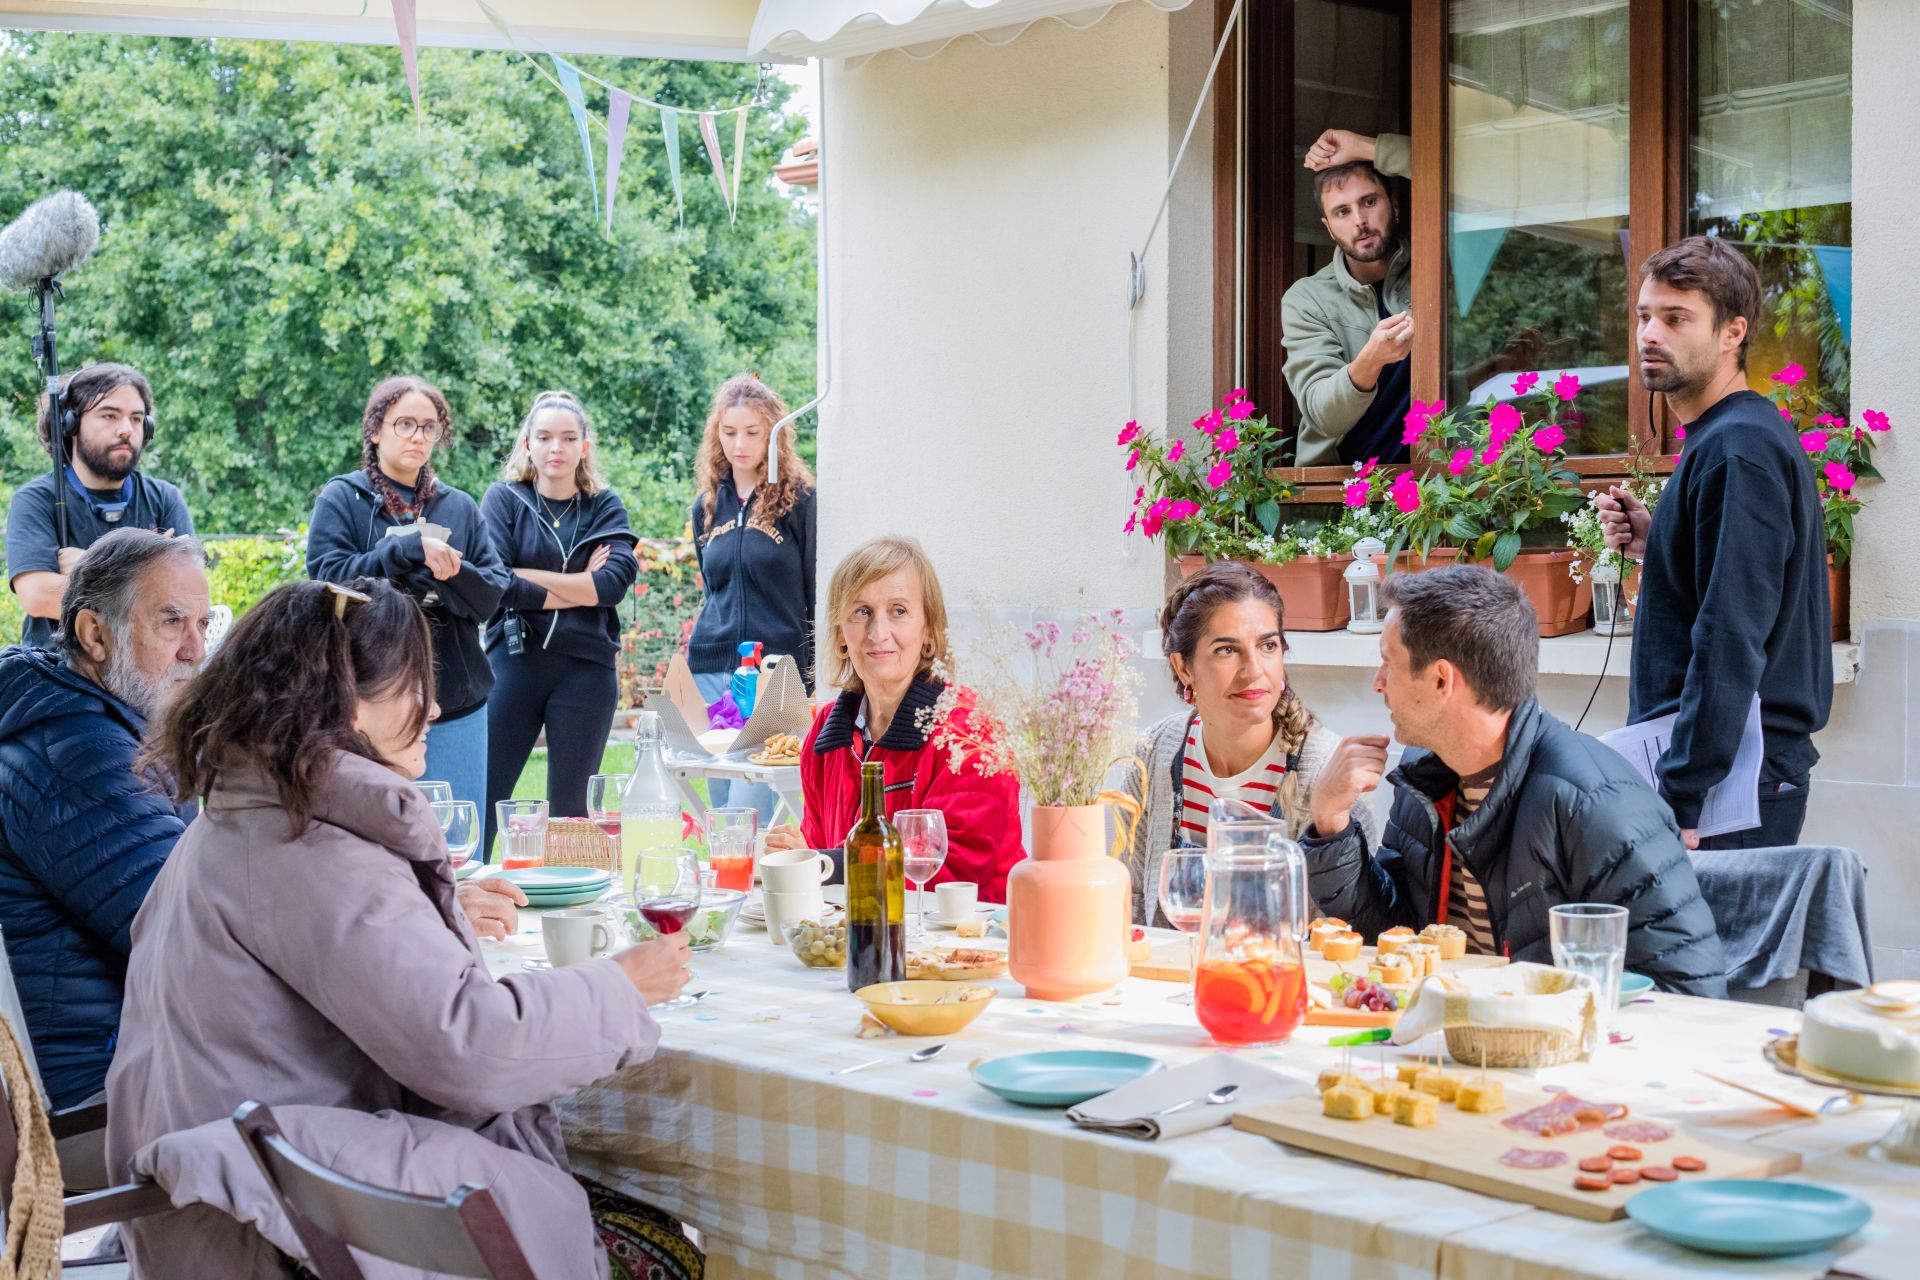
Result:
pixel 876 890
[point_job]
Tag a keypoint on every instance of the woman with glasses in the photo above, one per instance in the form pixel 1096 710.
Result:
pixel 395 519
pixel 563 534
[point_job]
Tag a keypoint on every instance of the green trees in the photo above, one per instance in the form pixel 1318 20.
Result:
pixel 279 233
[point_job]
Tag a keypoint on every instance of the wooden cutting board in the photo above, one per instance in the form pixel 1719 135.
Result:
pixel 1463 1150
pixel 1168 965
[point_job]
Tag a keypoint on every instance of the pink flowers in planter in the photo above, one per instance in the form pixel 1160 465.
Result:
pixel 1567 386
pixel 1207 423
pixel 1839 478
pixel 1549 438
pixel 1502 422
pixel 1240 410
pixel 1461 460
pixel 1227 441
pixel 1876 420
pixel 1813 441
pixel 1405 492
pixel 1128 432
pixel 1178 451
pixel 1525 383
pixel 1217 475
pixel 1133 459
pixel 1355 494
pixel 1419 418
pixel 1789 375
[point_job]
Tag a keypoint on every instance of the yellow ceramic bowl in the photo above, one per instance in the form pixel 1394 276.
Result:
pixel 925 1008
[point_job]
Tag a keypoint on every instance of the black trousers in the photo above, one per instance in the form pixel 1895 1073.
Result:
pixel 1783 812
pixel 573 699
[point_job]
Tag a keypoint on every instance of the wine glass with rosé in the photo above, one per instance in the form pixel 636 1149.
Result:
pixel 1183 899
pixel 666 893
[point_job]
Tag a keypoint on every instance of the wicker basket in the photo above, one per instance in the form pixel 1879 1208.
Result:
pixel 578 842
pixel 1509 1047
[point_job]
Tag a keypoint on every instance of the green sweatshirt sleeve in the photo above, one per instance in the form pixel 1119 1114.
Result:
pixel 1393 153
pixel 1316 373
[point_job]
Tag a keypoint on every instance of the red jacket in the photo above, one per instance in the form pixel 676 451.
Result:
pixel 983 814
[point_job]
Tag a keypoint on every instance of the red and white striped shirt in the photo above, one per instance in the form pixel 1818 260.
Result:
pixel 1200 788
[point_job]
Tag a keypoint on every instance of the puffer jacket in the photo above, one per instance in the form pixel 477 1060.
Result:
pixel 81 839
pixel 1567 820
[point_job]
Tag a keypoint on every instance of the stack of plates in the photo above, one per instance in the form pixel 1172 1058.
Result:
pixel 559 886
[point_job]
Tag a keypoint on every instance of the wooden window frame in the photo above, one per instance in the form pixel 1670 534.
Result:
pixel 1659 79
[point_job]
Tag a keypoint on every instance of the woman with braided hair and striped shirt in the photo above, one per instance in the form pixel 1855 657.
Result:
pixel 1245 736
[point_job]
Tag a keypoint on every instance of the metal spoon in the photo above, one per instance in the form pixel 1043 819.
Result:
pixel 1221 1095
pixel 920 1055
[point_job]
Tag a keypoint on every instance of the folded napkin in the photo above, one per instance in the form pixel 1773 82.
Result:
pixel 1128 1110
pixel 1519 997
pixel 1889 1257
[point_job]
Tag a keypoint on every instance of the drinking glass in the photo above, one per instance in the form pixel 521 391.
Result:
pixel 523 832
pixel 604 791
pixel 460 823
pixel 1591 938
pixel 435 792
pixel 666 892
pixel 730 840
pixel 923 839
pixel 1183 899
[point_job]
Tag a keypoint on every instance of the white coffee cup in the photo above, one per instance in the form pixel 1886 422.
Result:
pixel 795 871
pixel 575 936
pixel 784 909
pixel 956 899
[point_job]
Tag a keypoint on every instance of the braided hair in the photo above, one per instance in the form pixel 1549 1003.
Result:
pixel 1184 618
pixel 383 398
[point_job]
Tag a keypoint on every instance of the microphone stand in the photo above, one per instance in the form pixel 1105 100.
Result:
pixel 46 354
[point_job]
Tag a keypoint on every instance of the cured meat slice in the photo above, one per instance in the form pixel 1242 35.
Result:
pixel 1624 1153
pixel 1658 1173
pixel 1533 1158
pixel 1625 1177
pixel 1638 1131
pixel 1564 1114
pixel 1596 1164
pixel 1690 1164
pixel 1593 1182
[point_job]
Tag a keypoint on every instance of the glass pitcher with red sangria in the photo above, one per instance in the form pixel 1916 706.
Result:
pixel 1250 986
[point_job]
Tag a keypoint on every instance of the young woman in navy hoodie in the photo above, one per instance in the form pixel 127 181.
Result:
pixel 458 579
pixel 563 533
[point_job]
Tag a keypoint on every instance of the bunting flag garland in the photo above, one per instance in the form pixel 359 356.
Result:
pixel 577 103
pixel 670 131
pixel 710 137
pixel 619 101
pixel 407 27
pixel 739 149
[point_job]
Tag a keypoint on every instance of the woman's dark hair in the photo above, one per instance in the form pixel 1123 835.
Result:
pixel 375 417
pixel 1184 620
pixel 279 694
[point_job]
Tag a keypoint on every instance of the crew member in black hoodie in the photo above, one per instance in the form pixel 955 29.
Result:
pixel 553 644
pixel 457 580
pixel 1733 588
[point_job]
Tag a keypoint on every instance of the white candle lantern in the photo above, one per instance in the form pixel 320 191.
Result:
pixel 1363 587
pixel 1609 600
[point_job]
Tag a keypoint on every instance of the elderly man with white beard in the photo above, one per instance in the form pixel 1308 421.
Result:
pixel 84 824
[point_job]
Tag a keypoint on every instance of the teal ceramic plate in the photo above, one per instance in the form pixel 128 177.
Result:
pixel 573 898
pixel 1749 1217
pixel 557 879
pixel 468 869
pixel 1061 1078
pixel 1633 986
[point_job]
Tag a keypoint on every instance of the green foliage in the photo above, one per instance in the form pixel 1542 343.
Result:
pixel 279 233
pixel 1213 499
pixel 241 570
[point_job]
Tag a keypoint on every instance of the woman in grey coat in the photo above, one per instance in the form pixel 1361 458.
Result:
pixel 302 947
pixel 1247 736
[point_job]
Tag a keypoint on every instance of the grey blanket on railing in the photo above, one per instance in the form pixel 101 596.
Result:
pixel 1783 910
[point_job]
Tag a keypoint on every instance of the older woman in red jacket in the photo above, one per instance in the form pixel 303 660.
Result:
pixel 888 630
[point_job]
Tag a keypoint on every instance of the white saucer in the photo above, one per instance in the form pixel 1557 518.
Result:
pixel 936 921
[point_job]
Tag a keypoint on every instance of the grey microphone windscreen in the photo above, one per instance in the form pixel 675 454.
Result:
pixel 53 236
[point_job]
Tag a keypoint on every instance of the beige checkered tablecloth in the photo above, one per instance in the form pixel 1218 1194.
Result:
pixel 740 1128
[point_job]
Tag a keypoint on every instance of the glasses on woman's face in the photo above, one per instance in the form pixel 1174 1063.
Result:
pixel 414 428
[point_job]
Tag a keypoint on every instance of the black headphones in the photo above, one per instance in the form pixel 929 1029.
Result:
pixel 70 419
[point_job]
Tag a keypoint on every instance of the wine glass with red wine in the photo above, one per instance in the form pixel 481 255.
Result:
pixel 666 892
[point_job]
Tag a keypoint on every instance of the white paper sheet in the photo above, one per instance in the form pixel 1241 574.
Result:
pixel 1734 804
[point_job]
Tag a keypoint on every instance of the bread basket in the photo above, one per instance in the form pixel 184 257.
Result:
pixel 578 842
pixel 1522 1015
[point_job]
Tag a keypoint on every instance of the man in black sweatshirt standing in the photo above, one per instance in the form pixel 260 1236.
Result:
pixel 1733 588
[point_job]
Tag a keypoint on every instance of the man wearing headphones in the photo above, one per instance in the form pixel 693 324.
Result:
pixel 105 422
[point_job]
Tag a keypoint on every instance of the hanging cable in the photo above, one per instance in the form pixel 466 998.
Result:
pixel 824 324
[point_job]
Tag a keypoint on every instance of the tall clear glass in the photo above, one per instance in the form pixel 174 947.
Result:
pixel 1591 938
pixel 523 833
pixel 666 893
pixel 1250 986
pixel 1183 900
pixel 650 806
pixel 460 824
pixel 730 838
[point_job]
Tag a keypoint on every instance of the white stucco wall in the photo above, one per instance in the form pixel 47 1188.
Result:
pixel 1886 283
pixel 983 205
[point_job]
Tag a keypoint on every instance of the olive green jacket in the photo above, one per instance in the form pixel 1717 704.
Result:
pixel 1325 319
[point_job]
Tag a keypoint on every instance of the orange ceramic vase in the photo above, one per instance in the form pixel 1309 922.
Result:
pixel 1068 907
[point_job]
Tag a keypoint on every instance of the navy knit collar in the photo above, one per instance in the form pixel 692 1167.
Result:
pixel 904 734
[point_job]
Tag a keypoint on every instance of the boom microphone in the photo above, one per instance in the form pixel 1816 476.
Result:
pixel 52 237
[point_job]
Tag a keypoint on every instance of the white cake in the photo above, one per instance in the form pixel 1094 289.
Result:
pixel 1871 1036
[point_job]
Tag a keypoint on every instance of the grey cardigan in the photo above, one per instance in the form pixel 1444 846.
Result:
pixel 1160 748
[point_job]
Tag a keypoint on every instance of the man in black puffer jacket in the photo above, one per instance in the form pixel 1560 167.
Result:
pixel 82 834
pixel 1506 812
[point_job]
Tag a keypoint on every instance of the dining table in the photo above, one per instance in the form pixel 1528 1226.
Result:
pixel 744 1126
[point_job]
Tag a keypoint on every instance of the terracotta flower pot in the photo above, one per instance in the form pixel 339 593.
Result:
pixel 1068 907
pixel 1840 592
pixel 1311 588
pixel 1412 562
pixel 1560 602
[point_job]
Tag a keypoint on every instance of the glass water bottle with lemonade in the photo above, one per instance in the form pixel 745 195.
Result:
pixel 650 806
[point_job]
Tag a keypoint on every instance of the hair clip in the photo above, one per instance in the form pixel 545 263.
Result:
pixel 344 596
